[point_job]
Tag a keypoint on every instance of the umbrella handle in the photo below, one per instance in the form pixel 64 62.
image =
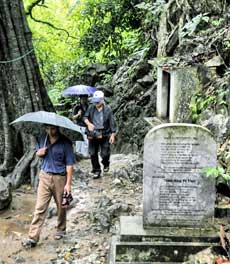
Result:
pixel 45 140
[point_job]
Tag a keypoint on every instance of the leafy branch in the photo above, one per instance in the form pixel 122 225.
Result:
pixel 216 172
pixel 41 3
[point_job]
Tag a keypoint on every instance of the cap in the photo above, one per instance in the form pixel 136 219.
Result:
pixel 98 96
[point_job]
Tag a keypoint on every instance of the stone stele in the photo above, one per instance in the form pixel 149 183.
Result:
pixel 176 191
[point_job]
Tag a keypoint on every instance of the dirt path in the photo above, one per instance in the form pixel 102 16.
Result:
pixel 91 221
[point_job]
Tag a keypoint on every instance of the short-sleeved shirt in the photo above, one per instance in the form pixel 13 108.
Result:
pixel 58 156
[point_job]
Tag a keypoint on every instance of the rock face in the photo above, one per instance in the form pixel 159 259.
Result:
pixel 218 124
pixel 129 167
pixel 134 98
pixel 5 194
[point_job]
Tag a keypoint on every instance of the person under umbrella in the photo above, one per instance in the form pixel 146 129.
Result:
pixel 80 109
pixel 77 116
pixel 57 160
pixel 83 91
pixel 33 123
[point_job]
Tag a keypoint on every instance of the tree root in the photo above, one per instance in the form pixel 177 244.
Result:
pixel 34 171
pixel 19 174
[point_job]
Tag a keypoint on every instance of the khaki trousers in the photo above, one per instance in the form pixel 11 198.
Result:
pixel 49 185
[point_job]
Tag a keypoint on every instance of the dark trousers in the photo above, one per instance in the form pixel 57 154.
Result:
pixel 103 145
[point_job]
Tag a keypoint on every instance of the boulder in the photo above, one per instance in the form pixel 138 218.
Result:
pixel 218 125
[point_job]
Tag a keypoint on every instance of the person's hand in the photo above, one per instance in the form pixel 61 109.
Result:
pixel 112 139
pixel 77 115
pixel 67 188
pixel 91 127
pixel 41 152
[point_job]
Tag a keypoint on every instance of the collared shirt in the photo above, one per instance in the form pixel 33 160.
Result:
pixel 59 155
pixel 109 124
pixel 98 119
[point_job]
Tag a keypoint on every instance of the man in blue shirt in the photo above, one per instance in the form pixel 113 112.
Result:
pixel 57 160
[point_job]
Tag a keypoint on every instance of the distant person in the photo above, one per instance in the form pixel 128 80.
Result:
pixel 57 160
pixel 77 116
pixel 101 132
pixel 79 110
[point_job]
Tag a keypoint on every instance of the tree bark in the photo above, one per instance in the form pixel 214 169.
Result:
pixel 21 90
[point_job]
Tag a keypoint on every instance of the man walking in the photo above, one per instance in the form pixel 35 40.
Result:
pixel 101 132
pixel 57 160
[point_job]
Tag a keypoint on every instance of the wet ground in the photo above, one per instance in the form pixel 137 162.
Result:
pixel 86 240
pixel 92 221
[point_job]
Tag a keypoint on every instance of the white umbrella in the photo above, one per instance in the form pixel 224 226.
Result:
pixel 32 123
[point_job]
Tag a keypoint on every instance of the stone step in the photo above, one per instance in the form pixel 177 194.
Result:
pixel 131 229
pixel 153 252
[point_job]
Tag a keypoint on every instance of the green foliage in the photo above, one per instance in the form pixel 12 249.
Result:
pixel 216 173
pixel 58 53
pixel 114 28
pixel 217 99
pixel 152 11
pixel 83 32
pixel 221 172
pixel 199 103
pixel 218 22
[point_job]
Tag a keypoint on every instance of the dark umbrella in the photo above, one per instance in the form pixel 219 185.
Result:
pixel 32 123
pixel 79 90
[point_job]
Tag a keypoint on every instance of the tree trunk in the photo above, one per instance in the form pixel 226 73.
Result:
pixel 21 90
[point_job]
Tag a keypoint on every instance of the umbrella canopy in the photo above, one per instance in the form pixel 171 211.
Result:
pixel 79 90
pixel 32 123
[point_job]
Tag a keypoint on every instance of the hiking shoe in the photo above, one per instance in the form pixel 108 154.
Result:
pixel 96 175
pixel 106 169
pixel 29 243
pixel 92 173
pixel 59 235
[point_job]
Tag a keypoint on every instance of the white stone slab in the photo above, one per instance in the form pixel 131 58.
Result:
pixel 176 192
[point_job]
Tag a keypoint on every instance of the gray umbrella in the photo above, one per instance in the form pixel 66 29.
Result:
pixel 32 123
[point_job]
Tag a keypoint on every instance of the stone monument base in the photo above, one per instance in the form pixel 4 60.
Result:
pixel 137 245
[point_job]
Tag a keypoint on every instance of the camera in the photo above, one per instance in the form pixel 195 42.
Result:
pixel 66 199
pixel 94 134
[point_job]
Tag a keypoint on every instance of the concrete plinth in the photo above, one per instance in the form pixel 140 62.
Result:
pixel 158 245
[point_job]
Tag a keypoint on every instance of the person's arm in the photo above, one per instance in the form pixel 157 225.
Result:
pixel 113 128
pixel 70 160
pixel 69 176
pixel 90 125
pixel 77 113
pixel 112 138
